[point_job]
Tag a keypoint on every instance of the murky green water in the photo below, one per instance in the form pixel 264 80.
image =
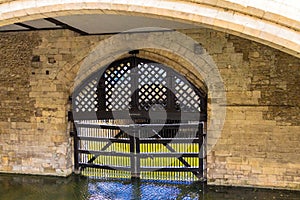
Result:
pixel 20 187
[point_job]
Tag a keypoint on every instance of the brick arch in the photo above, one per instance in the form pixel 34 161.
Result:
pixel 272 22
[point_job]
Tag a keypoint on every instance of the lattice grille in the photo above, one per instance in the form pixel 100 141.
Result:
pixel 118 87
pixel 155 84
pixel 186 96
pixel 152 86
pixel 86 99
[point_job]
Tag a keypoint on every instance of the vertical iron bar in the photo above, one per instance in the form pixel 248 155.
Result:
pixel 204 151
pixel 136 189
pixel 132 151
pixel 137 151
pixel 76 153
pixel 135 84
pixel 170 101
pixel 200 149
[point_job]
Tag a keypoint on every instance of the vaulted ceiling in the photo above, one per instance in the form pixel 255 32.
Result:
pixel 97 24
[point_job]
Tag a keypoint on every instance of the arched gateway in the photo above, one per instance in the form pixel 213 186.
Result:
pixel 139 118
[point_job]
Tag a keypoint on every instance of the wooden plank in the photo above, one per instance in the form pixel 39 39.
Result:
pixel 85 165
pixel 170 169
pixel 166 141
pixel 176 155
pixel 104 153
pixel 110 140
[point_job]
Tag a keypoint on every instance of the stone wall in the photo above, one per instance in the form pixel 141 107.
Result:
pixel 33 131
pixel 259 144
pixel 260 141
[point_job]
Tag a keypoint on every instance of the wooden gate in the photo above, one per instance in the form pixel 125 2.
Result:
pixel 116 135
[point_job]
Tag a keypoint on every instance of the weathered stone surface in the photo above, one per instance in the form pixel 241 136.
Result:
pixel 259 144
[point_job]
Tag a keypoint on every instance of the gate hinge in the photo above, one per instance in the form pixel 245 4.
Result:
pixel 70 116
pixel 72 134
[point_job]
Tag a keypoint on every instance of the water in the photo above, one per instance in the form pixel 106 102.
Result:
pixel 21 187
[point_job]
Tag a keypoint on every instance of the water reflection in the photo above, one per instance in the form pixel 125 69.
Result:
pixel 134 190
pixel 20 187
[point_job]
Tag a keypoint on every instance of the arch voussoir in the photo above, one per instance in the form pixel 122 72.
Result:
pixel 235 20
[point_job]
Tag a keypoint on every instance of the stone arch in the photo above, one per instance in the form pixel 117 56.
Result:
pixel 67 73
pixel 174 61
pixel 176 55
pixel 207 75
pixel 273 23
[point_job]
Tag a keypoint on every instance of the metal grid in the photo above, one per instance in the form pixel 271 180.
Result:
pixel 186 96
pixel 116 148
pixel 137 85
pixel 126 151
pixel 87 99
pixel 118 87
